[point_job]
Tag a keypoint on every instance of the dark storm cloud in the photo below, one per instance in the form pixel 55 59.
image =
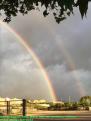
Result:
pixel 41 34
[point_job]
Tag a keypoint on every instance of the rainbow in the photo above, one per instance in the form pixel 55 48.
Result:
pixel 60 45
pixel 71 64
pixel 29 49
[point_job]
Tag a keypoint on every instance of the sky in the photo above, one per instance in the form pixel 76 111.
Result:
pixel 64 49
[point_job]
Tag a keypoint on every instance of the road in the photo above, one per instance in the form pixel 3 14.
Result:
pixel 80 119
pixel 66 119
pixel 76 116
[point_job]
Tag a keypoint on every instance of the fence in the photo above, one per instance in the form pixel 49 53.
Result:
pixel 20 107
pixel 15 107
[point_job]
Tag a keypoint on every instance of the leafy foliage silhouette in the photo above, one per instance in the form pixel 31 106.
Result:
pixel 60 8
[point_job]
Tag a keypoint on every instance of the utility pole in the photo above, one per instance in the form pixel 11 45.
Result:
pixel 8 106
pixel 24 107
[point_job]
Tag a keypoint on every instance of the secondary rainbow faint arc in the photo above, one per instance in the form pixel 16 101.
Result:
pixel 67 55
pixel 36 59
pixel 71 65
pixel 69 59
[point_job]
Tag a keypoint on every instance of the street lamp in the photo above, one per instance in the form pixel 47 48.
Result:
pixel 8 105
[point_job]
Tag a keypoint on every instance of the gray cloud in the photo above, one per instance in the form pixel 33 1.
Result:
pixel 41 33
pixel 66 84
pixel 19 74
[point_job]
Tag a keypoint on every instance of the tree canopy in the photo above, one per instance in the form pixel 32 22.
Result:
pixel 61 9
pixel 86 100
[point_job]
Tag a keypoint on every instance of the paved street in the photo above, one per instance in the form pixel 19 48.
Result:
pixel 66 119
pixel 80 119
pixel 80 116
